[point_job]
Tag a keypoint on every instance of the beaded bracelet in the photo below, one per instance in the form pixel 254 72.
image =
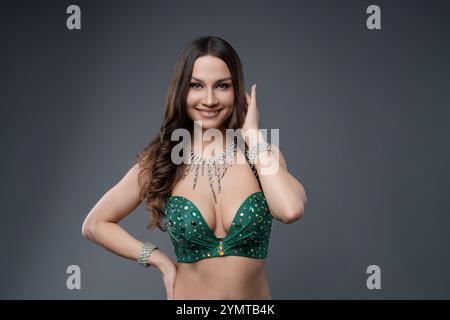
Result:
pixel 257 149
pixel 147 249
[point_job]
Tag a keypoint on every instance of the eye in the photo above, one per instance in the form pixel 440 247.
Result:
pixel 225 85
pixel 193 85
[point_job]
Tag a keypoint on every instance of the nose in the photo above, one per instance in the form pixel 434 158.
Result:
pixel 209 98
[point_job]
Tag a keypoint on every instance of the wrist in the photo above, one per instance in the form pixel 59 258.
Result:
pixel 155 259
pixel 255 151
pixel 254 137
pixel 263 157
pixel 159 260
pixel 147 249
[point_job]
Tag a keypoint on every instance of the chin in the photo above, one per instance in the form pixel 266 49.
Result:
pixel 208 124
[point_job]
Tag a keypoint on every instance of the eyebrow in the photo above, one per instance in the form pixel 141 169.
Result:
pixel 220 80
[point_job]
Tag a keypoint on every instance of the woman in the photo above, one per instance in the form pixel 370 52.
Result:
pixel 219 222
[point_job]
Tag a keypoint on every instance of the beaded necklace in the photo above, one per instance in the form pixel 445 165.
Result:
pixel 219 164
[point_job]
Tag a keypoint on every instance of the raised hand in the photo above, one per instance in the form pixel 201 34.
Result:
pixel 251 122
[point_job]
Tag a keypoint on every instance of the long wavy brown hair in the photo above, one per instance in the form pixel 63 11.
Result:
pixel 158 174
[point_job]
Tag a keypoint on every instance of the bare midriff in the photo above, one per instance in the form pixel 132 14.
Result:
pixel 222 278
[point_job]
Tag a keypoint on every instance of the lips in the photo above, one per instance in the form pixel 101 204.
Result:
pixel 209 113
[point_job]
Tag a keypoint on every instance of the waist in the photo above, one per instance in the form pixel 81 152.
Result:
pixel 230 277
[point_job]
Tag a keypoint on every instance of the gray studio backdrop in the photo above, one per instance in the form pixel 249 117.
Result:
pixel 364 124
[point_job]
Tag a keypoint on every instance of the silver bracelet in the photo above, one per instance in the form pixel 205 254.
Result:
pixel 257 149
pixel 147 249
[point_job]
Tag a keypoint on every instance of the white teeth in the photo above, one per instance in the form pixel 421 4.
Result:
pixel 209 113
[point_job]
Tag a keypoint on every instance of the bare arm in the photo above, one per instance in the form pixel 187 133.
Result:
pixel 101 224
pixel 286 196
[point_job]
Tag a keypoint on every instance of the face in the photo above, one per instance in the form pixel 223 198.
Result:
pixel 211 96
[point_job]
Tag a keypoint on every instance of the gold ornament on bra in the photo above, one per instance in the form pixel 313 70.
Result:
pixel 220 248
pixel 219 164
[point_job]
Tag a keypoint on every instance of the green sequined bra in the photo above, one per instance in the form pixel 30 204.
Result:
pixel 193 240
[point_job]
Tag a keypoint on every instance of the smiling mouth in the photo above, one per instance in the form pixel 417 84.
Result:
pixel 209 114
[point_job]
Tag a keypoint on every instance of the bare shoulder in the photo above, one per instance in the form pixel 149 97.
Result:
pixel 121 199
pixel 128 188
pixel 130 179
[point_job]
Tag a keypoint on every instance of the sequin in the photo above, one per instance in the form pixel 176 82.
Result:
pixel 247 237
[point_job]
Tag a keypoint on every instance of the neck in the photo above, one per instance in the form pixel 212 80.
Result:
pixel 209 144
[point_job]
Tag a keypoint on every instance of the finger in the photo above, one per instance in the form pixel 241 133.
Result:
pixel 169 290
